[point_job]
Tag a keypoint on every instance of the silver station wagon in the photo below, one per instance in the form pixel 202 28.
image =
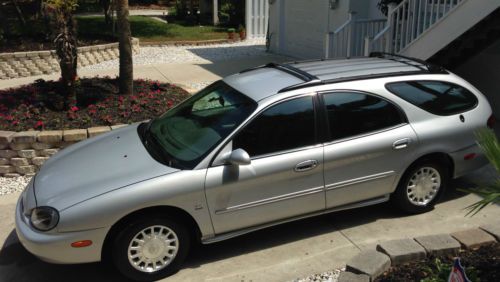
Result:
pixel 259 148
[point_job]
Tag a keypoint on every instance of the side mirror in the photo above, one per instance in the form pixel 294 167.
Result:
pixel 239 157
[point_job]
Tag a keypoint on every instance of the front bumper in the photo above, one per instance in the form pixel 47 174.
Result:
pixel 56 247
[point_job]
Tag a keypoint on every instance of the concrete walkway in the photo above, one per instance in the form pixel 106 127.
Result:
pixel 183 74
pixel 281 253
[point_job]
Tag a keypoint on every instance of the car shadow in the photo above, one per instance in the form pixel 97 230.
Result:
pixel 17 264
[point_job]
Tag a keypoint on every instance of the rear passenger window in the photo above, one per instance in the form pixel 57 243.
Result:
pixel 351 114
pixel 436 97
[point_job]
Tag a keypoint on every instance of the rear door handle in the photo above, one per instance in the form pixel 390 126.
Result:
pixel 401 144
pixel 306 165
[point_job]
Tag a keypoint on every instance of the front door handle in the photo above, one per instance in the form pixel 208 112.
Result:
pixel 401 144
pixel 306 165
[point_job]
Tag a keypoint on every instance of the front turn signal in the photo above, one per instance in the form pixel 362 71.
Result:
pixel 81 244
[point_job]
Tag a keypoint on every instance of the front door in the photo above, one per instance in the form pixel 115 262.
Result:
pixel 285 177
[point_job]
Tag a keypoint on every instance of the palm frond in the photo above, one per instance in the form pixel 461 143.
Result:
pixel 488 142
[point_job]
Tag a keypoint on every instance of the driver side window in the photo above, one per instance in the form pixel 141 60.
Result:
pixel 286 126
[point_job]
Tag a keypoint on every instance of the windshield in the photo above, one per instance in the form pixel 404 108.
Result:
pixel 188 132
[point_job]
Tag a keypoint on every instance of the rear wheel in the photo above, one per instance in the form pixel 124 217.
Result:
pixel 421 186
pixel 150 249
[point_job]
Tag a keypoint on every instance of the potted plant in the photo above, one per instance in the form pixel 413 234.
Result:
pixel 230 33
pixel 242 31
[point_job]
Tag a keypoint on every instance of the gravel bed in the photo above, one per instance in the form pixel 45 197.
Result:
pixel 329 276
pixel 13 185
pixel 190 54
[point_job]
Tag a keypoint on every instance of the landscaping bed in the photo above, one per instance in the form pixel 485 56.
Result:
pixel 482 264
pixel 34 44
pixel 41 105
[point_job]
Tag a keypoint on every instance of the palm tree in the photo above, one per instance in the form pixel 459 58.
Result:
pixel 65 43
pixel 490 193
pixel 125 47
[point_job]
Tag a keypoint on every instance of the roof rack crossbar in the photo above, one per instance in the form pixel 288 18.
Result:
pixel 430 67
pixel 305 76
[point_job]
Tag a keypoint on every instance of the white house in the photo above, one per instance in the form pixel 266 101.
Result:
pixel 298 28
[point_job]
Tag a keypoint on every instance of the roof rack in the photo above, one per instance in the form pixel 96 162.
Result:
pixel 346 79
pixel 430 67
pixel 305 76
pixel 419 67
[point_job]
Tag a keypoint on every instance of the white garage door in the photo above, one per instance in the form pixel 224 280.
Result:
pixel 304 27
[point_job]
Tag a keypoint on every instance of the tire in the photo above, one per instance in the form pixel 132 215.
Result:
pixel 421 187
pixel 140 267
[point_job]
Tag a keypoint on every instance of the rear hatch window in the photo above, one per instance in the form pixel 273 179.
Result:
pixel 436 97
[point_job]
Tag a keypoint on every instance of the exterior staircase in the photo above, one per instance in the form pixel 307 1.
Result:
pixel 424 29
pixel 472 42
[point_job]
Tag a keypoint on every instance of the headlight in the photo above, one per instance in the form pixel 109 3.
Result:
pixel 44 218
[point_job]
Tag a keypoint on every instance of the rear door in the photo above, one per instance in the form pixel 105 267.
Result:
pixel 370 143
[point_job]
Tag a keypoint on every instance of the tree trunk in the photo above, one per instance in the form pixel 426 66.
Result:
pixel 66 49
pixel 125 46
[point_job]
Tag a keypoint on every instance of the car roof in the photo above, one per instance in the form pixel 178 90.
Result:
pixel 264 81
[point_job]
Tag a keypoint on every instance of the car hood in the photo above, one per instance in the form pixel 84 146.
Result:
pixel 94 167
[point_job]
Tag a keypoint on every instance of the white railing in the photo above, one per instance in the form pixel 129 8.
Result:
pixel 407 21
pixel 256 18
pixel 348 39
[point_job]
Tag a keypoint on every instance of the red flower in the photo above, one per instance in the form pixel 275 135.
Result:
pixel 136 108
pixel 39 124
pixel 170 104
pixel 74 108
pixel 16 122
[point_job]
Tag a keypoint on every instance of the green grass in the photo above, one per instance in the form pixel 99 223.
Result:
pixel 150 30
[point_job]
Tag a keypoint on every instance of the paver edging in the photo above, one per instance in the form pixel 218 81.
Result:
pixel 24 152
pixel 358 275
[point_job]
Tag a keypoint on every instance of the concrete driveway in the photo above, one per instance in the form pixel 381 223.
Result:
pixel 280 253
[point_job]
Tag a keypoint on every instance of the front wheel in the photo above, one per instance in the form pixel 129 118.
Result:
pixel 420 187
pixel 150 249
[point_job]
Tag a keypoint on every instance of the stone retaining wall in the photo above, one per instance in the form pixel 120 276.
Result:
pixel 22 64
pixel 23 153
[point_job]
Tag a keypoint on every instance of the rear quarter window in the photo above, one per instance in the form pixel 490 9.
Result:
pixel 436 97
